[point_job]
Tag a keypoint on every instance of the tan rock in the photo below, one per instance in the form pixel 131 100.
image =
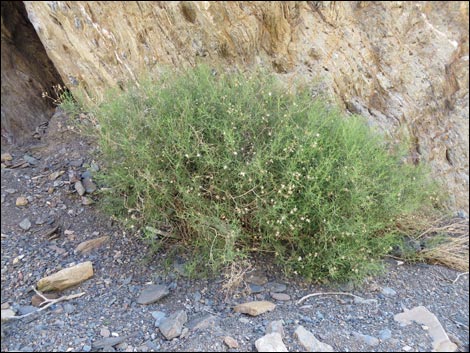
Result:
pixel 89 245
pixel 230 342
pixel 254 308
pixel 6 157
pixel 66 278
pixel 271 342
pixel 21 201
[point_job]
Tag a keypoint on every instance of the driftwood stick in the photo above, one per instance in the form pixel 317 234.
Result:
pixel 327 293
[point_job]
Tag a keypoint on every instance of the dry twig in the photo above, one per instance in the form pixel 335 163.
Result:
pixel 327 293
pixel 48 303
pixel 460 274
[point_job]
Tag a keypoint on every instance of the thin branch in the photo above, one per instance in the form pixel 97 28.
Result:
pixel 461 274
pixel 49 303
pixel 327 293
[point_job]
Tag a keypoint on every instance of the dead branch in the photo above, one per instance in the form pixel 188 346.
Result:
pixel 48 303
pixel 460 274
pixel 327 293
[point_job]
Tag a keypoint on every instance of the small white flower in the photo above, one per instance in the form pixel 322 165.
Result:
pixel 225 167
pixel 269 94
pixel 235 153
pixel 300 258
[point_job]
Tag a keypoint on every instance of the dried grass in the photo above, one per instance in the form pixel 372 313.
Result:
pixel 453 251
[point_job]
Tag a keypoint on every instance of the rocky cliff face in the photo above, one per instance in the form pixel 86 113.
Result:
pixel 404 65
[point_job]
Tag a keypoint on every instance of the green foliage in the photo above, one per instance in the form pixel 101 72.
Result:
pixel 236 164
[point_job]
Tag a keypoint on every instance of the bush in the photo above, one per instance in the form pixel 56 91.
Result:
pixel 235 164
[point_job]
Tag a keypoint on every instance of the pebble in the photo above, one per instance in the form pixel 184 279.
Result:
pixel 388 292
pixel 23 310
pixel 230 342
pixel 104 332
pixel 280 296
pixel 79 188
pixel 385 334
pixel 369 340
pixel 276 287
pixel 21 201
pixel 86 348
pixel 159 316
pixel 89 185
pixel 69 308
pixel 25 224
pixel 254 288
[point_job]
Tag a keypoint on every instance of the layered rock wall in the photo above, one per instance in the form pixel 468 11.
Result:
pixel 404 65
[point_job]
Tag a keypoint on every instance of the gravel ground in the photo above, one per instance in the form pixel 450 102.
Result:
pixel 122 270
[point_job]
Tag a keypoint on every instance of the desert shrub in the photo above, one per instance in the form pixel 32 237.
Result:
pixel 234 164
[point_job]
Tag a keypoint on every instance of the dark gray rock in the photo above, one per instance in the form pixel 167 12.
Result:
pixel 172 326
pixel 153 293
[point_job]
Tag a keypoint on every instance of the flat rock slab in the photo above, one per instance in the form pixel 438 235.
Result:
pixel 421 315
pixel 89 245
pixel 172 326
pixel 255 308
pixel 280 296
pixel 153 293
pixel 310 342
pixel 271 342
pixel 66 278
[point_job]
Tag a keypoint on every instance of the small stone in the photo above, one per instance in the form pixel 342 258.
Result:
pixel 86 201
pixel 276 287
pixel 30 160
pixel 385 334
pixel 50 190
pixel 6 157
pixel 254 288
pixel 69 308
pixel 23 310
pixel 7 314
pixel 270 343
pixel 407 348
pixel 104 332
pixel 94 167
pixel 388 292
pixel 159 316
pixel 244 320
pixel 5 306
pixel 172 326
pixel 21 201
pixel 276 326
pixel 280 296
pixel 153 293
pixel 254 308
pixel 89 185
pixel 79 188
pixel 86 348
pixel 76 163
pixel 89 245
pixel 230 342
pixel 10 191
pixel 202 323
pixel 310 342
pixel 25 224
pixel 36 300
pixel 369 340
